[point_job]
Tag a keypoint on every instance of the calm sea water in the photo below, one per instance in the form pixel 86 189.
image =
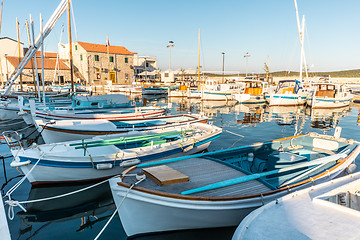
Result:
pixel 83 215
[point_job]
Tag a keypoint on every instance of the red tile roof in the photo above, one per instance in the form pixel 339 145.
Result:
pixel 49 63
pixel 92 47
pixel 47 54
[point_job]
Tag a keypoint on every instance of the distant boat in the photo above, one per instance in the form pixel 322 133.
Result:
pixel 69 130
pixel 329 95
pixel 254 92
pixel 326 211
pixel 287 93
pixel 107 155
pixel 218 189
pixel 110 107
pixel 213 90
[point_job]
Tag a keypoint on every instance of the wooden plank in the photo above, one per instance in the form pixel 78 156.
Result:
pixel 165 175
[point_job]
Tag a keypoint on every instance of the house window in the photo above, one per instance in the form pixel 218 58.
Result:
pixel 80 57
pixel 126 60
pixel 61 79
pixel 111 59
pixel 97 58
pixel 75 47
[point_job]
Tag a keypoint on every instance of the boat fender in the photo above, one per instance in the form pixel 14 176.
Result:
pixel 350 169
pixel 104 166
pixel 16 164
pixel 129 163
pixel 250 157
pixel 337 132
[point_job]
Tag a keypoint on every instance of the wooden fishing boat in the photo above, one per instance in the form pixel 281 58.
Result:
pixel 98 113
pixel 218 189
pixel 287 93
pixel 101 156
pixel 69 130
pixel 318 212
pixel 329 95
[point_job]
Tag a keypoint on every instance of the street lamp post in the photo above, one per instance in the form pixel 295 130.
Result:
pixel 223 65
pixel 171 44
pixel 145 69
pixel 246 56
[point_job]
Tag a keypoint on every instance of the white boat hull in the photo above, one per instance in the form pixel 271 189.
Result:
pixel 52 175
pixel 142 212
pixel 321 102
pixel 216 96
pixel 285 99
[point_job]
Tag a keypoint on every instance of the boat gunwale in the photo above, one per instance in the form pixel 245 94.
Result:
pixel 199 119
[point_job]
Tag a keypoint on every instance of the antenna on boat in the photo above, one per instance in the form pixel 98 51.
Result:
pixel 301 31
pixel 199 59
pixel 18 42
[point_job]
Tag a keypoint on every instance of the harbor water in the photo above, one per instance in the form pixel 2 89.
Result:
pixel 84 214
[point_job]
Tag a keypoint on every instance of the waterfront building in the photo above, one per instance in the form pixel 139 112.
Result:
pixel 145 67
pixel 99 64
pixel 8 47
pixel 55 71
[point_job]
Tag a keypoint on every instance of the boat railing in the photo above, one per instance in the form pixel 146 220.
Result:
pixel 12 139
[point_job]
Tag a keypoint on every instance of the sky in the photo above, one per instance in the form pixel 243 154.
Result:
pixel 263 28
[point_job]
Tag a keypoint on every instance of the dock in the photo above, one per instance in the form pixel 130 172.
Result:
pixel 4 228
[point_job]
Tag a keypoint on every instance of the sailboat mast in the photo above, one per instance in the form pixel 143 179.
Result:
pixel 35 61
pixel 70 47
pixel 199 59
pixel 42 58
pixel 18 42
pixel 32 62
pixel 57 65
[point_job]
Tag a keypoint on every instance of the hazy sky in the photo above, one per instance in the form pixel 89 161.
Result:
pixel 261 27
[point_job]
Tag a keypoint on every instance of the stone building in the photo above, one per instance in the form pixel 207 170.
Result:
pixel 98 64
pixel 53 73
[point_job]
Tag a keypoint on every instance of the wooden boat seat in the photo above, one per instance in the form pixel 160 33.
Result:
pixel 321 150
pixel 283 159
pixel 165 175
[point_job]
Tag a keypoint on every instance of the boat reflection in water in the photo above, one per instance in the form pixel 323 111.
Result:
pixel 250 114
pixel 208 108
pixel 87 206
pixel 326 118
pixel 284 115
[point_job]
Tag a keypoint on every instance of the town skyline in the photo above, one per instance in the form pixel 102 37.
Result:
pixel 259 27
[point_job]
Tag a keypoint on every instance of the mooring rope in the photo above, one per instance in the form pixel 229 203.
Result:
pixel 116 210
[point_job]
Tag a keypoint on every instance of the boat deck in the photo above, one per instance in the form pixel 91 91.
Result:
pixel 202 172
